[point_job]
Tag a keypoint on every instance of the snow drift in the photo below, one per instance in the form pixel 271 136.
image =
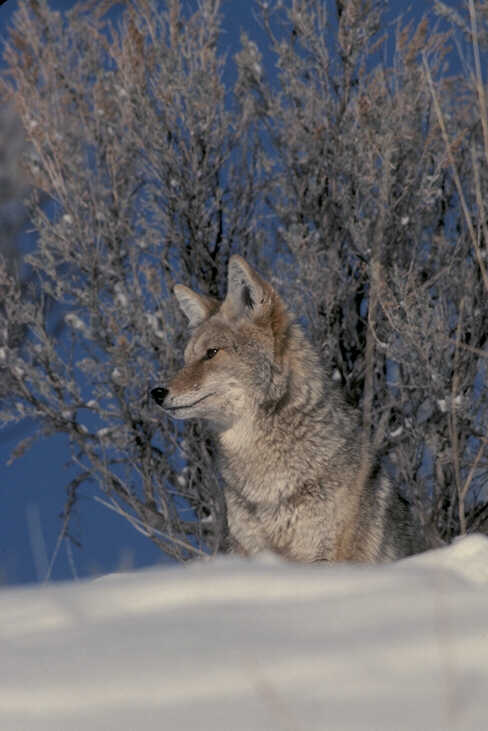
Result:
pixel 253 645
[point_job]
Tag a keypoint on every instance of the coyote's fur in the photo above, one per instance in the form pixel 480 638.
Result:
pixel 296 478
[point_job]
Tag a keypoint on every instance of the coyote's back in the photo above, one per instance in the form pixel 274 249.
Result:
pixel 297 480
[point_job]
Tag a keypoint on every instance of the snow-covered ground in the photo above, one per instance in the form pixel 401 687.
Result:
pixel 259 645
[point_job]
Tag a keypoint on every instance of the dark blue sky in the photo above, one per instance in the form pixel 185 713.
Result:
pixel 32 488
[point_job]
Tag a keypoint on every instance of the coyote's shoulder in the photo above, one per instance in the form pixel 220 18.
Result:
pixel 297 480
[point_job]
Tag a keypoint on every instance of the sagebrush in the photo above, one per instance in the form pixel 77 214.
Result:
pixel 354 178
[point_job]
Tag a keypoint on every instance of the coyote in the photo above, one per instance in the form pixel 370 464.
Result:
pixel 297 479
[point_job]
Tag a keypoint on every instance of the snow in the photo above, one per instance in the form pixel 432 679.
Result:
pixel 262 645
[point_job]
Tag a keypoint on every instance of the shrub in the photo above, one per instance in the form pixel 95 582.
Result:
pixel 357 186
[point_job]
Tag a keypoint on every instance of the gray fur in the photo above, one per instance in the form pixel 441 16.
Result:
pixel 297 481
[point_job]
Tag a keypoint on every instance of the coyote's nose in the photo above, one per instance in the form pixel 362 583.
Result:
pixel 159 394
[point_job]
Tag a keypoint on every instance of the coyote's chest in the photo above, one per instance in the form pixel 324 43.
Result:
pixel 261 518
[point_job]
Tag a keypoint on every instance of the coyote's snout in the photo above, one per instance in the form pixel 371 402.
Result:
pixel 296 479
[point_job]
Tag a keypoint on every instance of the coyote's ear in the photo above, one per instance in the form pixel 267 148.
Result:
pixel 247 292
pixel 250 295
pixel 196 307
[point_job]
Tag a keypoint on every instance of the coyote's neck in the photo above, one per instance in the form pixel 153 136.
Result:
pixel 267 453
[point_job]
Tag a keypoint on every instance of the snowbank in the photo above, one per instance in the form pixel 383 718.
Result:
pixel 238 645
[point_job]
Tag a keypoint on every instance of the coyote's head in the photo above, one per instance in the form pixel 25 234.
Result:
pixel 236 361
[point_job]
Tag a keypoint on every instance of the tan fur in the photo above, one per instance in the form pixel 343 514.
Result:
pixel 289 447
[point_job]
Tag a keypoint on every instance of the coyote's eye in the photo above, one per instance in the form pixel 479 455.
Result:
pixel 211 352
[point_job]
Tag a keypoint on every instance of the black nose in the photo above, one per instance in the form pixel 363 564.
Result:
pixel 159 394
